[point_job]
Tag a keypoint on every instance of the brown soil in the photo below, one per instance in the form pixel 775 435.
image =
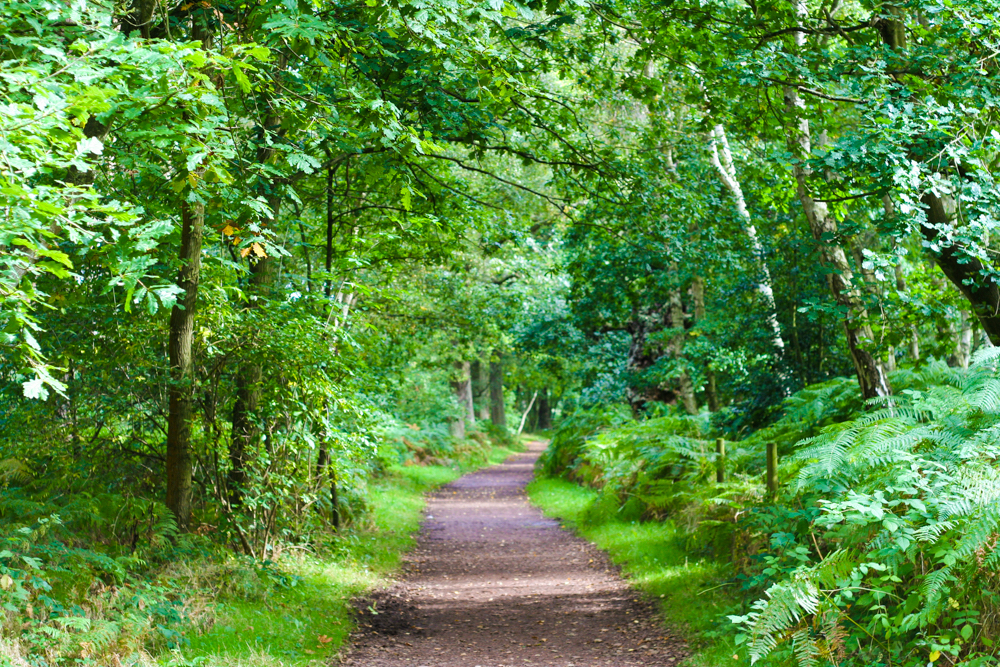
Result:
pixel 493 583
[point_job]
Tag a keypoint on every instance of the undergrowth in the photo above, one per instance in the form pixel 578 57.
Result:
pixel 305 617
pixel 106 579
pixel 879 547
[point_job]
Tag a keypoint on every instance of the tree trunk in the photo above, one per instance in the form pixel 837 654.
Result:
pixel 684 384
pixel 465 398
pixel 181 388
pixel 324 467
pixel 698 296
pixel 641 357
pixel 245 434
pixel 463 394
pixel 180 391
pixel 967 273
pixel 722 159
pixel 480 389
pixel 963 341
pixel 138 17
pixel 498 413
pixel 544 410
pixel 860 339
pixel 914 337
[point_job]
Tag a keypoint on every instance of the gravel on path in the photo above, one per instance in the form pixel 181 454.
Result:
pixel 493 583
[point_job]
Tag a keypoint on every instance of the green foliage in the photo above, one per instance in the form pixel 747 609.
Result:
pixel 907 531
pixel 570 439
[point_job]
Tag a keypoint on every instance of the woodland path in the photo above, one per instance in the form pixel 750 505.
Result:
pixel 493 583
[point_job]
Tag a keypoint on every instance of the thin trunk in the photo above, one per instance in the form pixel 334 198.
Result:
pixel 698 295
pixel 181 387
pixel 480 389
pixel 462 386
pixel 324 468
pixel 544 411
pixel 498 413
pixel 180 391
pixel 963 341
pixel 527 411
pixel 797 348
pixel 245 434
pixel 914 338
pixel 722 159
pixel 684 384
pixel 860 338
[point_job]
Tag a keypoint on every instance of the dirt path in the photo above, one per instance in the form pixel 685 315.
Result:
pixel 493 583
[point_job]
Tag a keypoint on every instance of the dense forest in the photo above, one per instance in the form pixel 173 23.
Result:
pixel 259 258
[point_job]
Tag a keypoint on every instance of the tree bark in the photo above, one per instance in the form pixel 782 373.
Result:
pixel 684 384
pixel 463 394
pixel 967 273
pixel 722 159
pixel 481 388
pixel 180 391
pixel 711 385
pixel 324 468
pixel 138 18
pixel 914 337
pixel 245 434
pixel 180 350
pixel 498 413
pixel 642 357
pixel 860 338
pixel 544 410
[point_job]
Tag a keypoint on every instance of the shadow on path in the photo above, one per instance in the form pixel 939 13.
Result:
pixel 493 583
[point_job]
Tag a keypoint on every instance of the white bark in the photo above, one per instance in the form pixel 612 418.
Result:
pixel 527 410
pixel 722 159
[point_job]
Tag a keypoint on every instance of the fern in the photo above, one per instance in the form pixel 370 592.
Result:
pixel 912 486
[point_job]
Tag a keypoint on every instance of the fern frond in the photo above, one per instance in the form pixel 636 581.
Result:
pixel 14 471
pixel 804 647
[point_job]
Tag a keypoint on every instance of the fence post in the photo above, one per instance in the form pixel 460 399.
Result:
pixel 720 460
pixel 772 469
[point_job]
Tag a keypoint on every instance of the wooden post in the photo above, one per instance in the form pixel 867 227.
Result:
pixel 720 460
pixel 772 469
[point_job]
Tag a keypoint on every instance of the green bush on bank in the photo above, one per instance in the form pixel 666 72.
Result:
pixel 881 546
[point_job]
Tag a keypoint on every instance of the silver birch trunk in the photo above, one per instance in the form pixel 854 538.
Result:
pixel 860 338
pixel 722 159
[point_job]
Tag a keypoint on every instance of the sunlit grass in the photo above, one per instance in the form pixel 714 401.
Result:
pixel 307 624
pixel 691 592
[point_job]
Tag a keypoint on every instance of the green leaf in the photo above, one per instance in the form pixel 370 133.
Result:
pixel 241 79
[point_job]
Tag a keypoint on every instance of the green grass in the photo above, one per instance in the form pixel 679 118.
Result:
pixel 691 592
pixel 308 623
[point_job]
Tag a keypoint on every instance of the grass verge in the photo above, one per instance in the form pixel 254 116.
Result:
pixel 304 620
pixel 692 592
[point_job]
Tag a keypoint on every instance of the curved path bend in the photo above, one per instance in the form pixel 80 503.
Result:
pixel 493 583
